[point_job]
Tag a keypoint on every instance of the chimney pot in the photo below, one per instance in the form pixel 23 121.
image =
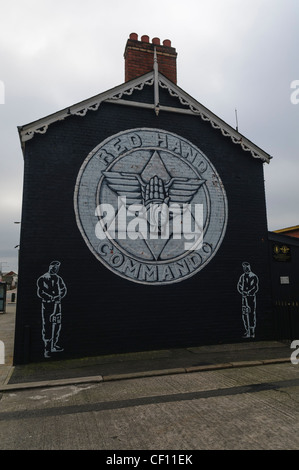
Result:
pixel 156 41
pixel 167 43
pixel 134 36
pixel 145 38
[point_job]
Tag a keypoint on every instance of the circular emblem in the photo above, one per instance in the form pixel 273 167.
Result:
pixel 150 206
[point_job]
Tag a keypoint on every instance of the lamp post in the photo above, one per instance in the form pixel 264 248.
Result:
pixel 18 246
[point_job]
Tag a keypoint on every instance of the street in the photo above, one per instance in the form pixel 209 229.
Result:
pixel 247 408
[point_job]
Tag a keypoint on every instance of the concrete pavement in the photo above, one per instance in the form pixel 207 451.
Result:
pixel 131 365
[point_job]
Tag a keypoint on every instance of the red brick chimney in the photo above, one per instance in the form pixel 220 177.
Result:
pixel 139 57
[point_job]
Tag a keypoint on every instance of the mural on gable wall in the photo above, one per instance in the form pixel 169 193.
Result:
pixel 51 289
pixel 248 286
pixel 150 206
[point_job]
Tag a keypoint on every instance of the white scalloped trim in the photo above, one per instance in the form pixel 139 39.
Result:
pixel 163 83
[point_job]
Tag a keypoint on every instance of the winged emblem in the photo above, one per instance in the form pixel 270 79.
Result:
pixel 177 190
pixel 161 196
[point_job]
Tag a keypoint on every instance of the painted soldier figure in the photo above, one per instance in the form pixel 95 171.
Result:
pixel 51 289
pixel 248 286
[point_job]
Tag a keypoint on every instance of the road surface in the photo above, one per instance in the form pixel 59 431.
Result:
pixel 246 408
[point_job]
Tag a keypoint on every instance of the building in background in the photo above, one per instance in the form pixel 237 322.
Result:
pixel 284 263
pixel 289 231
pixel 11 279
pixel 161 202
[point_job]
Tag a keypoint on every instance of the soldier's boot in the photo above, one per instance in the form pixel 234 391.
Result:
pixel 246 325
pixel 47 351
pixel 56 331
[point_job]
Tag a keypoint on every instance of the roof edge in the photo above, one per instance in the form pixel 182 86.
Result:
pixel 158 80
pixel 287 229
pixel 40 126
pixel 216 122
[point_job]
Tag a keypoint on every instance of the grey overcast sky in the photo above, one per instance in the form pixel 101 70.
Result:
pixel 232 54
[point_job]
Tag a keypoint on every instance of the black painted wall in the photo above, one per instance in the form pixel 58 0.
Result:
pixel 285 285
pixel 102 312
